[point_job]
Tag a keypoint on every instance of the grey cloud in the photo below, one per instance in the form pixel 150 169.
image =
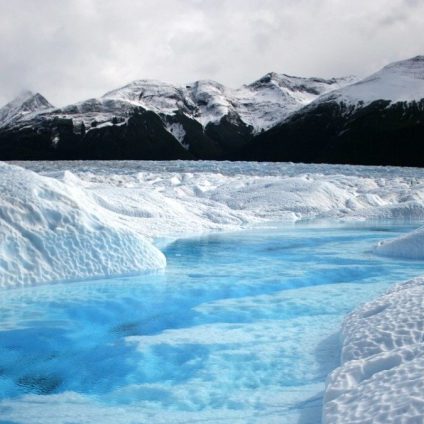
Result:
pixel 74 49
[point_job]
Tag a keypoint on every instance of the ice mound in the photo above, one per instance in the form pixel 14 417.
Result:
pixel 409 246
pixel 51 231
pixel 381 379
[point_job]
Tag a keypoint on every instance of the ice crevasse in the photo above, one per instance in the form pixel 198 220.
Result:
pixel 55 231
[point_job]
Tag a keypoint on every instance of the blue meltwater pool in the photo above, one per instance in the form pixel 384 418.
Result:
pixel 240 328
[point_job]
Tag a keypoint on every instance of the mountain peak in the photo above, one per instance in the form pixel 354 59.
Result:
pixel 303 89
pixel 401 81
pixel 417 60
pixel 414 67
pixel 25 103
pixel 22 96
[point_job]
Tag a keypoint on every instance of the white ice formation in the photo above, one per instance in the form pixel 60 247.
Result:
pixel 92 217
pixel 381 380
pixel 53 231
pixel 408 246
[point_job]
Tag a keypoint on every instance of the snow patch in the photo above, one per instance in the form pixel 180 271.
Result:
pixel 177 130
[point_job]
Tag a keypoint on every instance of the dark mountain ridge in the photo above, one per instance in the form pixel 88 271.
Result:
pixel 378 120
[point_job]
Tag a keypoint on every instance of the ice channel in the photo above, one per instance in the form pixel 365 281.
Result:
pixel 239 328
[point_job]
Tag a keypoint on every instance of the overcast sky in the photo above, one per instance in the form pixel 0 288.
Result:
pixel 70 50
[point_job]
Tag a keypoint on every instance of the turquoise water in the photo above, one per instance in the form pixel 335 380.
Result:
pixel 239 328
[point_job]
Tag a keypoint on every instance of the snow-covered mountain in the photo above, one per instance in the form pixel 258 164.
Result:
pixel 401 81
pixel 23 107
pixel 260 105
pixel 200 120
pixel 378 120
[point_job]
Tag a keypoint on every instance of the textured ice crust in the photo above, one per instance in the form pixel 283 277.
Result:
pixel 185 198
pixel 381 380
pixel 54 231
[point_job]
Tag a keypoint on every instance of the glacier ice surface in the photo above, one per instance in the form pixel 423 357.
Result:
pixel 77 220
pixel 381 379
pixel 212 338
pixel 56 226
pixel 52 231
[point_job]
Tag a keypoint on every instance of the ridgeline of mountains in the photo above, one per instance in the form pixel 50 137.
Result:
pixel 378 120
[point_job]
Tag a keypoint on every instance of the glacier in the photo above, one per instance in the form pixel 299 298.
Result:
pixel 52 231
pixel 56 226
pixel 57 218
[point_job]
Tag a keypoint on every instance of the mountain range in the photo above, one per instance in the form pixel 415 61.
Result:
pixel 377 120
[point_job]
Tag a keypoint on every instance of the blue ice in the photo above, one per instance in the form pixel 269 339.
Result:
pixel 239 326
